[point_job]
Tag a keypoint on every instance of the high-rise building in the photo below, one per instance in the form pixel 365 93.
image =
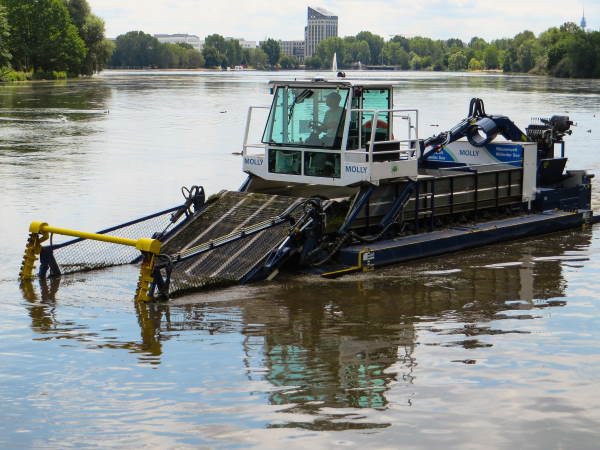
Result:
pixel 321 24
pixel 191 39
pixel 294 49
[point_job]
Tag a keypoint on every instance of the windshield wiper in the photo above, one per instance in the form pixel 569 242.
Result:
pixel 306 93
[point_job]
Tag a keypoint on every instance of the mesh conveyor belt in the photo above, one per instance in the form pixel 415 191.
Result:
pixel 233 211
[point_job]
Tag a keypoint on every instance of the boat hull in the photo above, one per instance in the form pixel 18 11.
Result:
pixel 397 250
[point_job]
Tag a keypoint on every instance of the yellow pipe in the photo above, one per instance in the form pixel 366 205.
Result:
pixel 143 244
pixel 40 231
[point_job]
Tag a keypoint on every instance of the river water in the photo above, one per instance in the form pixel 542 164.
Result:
pixel 497 347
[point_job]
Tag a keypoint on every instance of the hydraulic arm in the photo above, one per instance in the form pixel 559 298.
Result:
pixel 479 128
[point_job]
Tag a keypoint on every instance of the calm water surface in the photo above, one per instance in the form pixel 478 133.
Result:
pixel 497 347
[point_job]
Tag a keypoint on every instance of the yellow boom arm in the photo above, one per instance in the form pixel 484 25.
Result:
pixel 40 231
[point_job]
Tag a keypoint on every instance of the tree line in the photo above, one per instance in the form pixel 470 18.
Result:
pixel 137 49
pixel 566 51
pixel 50 39
pixel 59 38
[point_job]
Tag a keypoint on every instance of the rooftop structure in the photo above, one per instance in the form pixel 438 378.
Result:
pixel 243 42
pixel 191 39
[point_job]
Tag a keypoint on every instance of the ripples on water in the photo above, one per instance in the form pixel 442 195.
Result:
pixel 495 347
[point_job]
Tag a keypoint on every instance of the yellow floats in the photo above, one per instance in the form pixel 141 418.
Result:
pixel 40 232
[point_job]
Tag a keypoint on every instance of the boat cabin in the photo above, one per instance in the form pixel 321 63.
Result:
pixel 337 133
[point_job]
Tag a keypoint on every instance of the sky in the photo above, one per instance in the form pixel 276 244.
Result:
pixel 285 19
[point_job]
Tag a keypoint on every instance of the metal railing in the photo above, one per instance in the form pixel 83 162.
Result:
pixel 376 113
pixel 247 131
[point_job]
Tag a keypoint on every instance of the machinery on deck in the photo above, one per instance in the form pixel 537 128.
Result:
pixel 340 181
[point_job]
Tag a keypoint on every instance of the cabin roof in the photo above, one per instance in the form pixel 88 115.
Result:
pixel 322 83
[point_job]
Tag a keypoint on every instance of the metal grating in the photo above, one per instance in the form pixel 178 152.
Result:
pixel 228 264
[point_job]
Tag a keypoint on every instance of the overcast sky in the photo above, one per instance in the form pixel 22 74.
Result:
pixel 285 19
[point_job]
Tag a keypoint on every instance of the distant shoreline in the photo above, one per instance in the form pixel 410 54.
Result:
pixel 202 69
pixel 205 70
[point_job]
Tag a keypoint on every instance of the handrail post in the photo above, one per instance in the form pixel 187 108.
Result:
pixel 373 130
pixel 247 131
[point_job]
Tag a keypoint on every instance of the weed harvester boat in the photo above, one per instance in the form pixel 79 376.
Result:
pixel 340 182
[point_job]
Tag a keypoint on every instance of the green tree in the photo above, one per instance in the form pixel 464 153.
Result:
pixel 5 55
pixel 524 36
pixel 233 52
pixel 79 11
pixel 189 57
pixel 454 42
pixel 288 62
pixel 217 42
pixel 254 57
pixel 356 51
pixel 475 64
pixel 213 58
pixel 170 55
pixel 477 44
pixel 394 54
pixel 405 43
pixel 43 38
pixel 215 51
pixel 422 46
pixel 135 49
pixel 457 61
pixel 375 45
pixel 272 49
pixel 312 62
pixel 99 48
pixel 510 63
pixel 526 55
pixel 417 62
pixel 491 57
pixel 195 59
pixel 327 48
pixel 502 44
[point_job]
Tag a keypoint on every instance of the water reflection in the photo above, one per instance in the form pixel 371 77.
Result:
pixel 351 341
pixel 42 315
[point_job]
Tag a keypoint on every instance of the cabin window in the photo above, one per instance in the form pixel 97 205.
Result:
pixel 285 161
pixel 354 120
pixel 378 99
pixel 307 117
pixel 322 164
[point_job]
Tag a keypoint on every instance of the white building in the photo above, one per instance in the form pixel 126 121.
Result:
pixel 243 42
pixel 191 39
pixel 321 24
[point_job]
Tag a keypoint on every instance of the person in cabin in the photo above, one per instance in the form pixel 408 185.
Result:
pixel 331 121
